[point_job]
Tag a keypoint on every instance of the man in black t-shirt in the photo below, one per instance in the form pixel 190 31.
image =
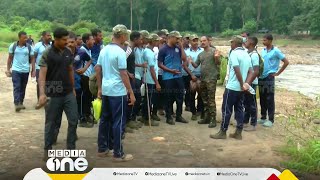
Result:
pixel 56 81
pixel 136 39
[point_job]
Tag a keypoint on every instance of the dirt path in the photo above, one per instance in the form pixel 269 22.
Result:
pixel 22 135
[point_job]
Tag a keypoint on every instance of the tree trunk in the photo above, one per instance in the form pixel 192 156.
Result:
pixel 242 17
pixel 258 13
pixel 131 15
pixel 158 18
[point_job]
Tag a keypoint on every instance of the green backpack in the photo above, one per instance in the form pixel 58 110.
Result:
pixel 93 86
pixel 261 63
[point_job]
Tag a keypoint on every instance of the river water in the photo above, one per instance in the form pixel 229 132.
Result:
pixel 302 78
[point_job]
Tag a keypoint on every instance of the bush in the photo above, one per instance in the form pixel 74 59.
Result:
pixel 9 37
pixel 230 32
pixel 34 24
pixel 56 25
pixel 107 39
pixel 46 26
pixel 250 26
pixel 82 31
pixel 17 20
pixel 16 27
pixel 4 44
pixel 83 25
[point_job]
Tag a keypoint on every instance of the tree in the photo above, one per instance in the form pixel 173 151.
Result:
pixel 200 15
pixel 258 13
pixel 247 11
pixel 227 18
pixel 250 26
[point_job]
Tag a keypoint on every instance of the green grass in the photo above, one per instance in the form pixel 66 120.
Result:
pixel 304 147
pixel 304 158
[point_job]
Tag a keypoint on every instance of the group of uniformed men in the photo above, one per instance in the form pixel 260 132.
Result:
pixel 166 63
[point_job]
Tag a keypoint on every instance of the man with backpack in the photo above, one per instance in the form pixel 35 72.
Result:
pixel 30 41
pixel 39 48
pixel 250 102
pixel 240 72
pixel 272 57
pixel 21 55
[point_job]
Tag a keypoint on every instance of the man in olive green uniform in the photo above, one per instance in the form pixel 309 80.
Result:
pixel 209 60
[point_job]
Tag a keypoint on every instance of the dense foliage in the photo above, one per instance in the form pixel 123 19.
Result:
pixel 206 16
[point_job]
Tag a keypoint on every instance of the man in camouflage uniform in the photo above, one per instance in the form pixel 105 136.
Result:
pixel 209 60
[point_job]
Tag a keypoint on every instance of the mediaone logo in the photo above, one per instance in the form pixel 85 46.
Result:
pixel 67 160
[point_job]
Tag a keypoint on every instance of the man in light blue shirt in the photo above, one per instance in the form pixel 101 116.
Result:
pixel 192 55
pixel 21 55
pixel 151 81
pixel 113 86
pixel 250 102
pixel 240 67
pixel 140 65
pixel 272 57
pixel 38 50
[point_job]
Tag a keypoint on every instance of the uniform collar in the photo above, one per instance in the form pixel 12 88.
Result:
pixel 270 49
pixel 85 46
pixel 192 50
pixel 239 48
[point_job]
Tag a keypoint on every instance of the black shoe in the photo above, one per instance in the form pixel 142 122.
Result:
pixel 203 121
pixel 181 119
pixel 187 108
pixel 17 108
pixel 170 121
pixel 22 106
pixel 212 124
pixel 155 117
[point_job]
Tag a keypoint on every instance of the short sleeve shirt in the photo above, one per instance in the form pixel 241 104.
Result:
pixel 39 49
pixel 149 57
pixel 272 60
pixel 194 55
pixel 85 58
pixel 255 63
pixel 209 69
pixel 21 58
pixel 95 51
pixel 112 59
pixel 171 58
pixel 138 55
pixel 130 60
pixel 238 58
pixel 58 62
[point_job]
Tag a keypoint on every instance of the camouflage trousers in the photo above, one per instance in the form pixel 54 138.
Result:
pixel 208 95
